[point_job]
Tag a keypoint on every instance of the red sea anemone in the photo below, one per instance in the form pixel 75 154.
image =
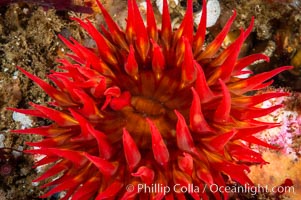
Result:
pixel 150 106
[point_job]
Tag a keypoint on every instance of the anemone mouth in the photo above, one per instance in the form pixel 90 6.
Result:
pixel 155 98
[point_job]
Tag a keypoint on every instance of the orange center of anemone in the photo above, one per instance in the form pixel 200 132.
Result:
pixel 156 100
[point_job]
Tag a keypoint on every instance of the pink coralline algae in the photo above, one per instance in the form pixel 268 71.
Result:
pixel 287 135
